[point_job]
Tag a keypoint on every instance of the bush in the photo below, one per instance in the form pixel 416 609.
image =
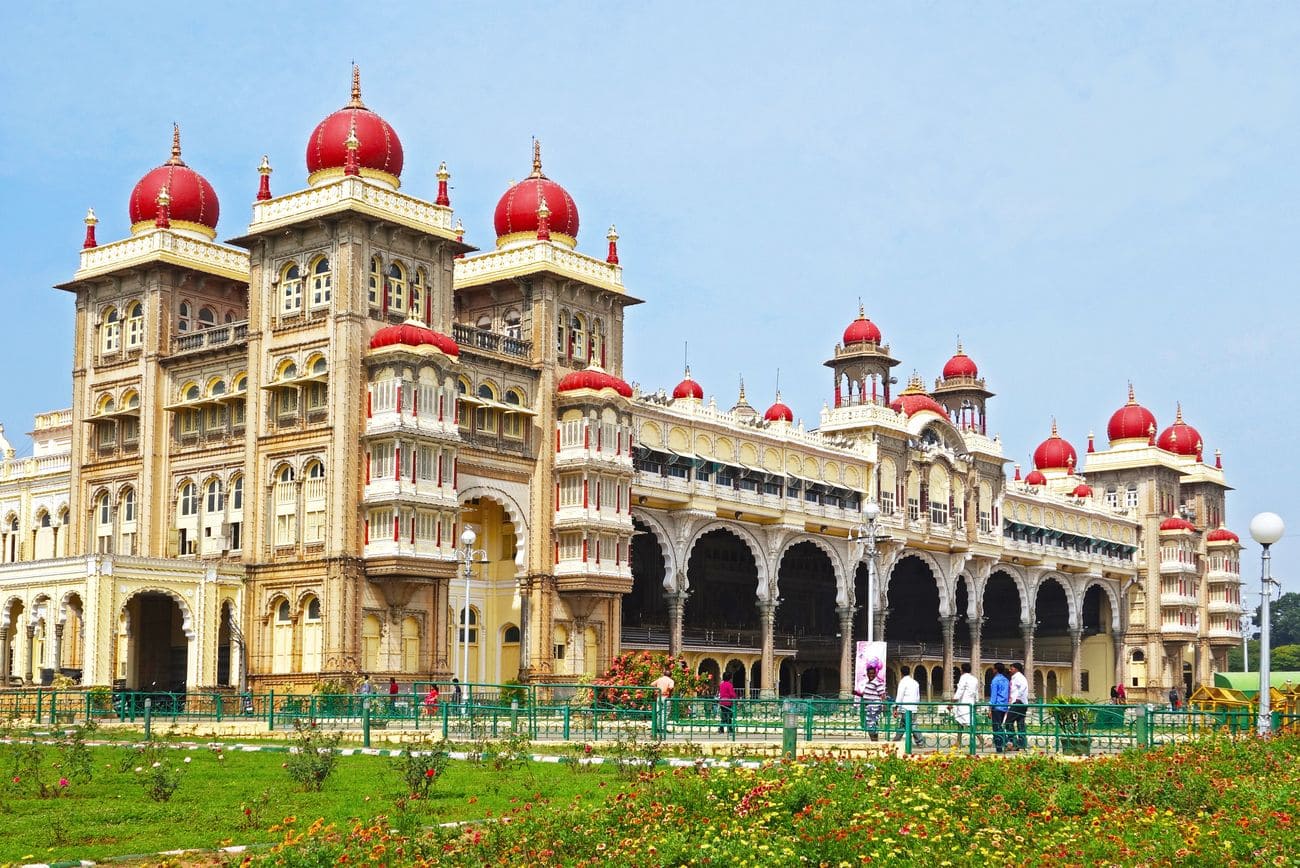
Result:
pixel 155 769
pixel 420 766
pixel 313 757
pixel 640 669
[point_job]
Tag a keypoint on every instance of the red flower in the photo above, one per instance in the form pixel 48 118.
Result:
pixel 428 773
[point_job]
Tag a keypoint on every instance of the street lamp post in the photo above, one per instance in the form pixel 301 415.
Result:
pixel 1245 639
pixel 468 556
pixel 863 536
pixel 1266 529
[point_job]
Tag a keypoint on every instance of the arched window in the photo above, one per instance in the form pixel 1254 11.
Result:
pixel 512 424
pixel 111 331
pixel 510 635
pixel 43 518
pixel 282 612
pixel 562 334
pixel 188 504
pixel 313 497
pixel 215 498
pixel 239 407
pixel 1131 496
pixel 484 322
pixel 311 635
pixel 134 325
pixel 183 315
pixel 463 407
pixel 418 282
pixel 313 609
pixel 103 506
pixel 578 338
pixel 191 392
pixel 282 638
pixel 207 317
pixel 487 415
pixel 128 505
pixel 316 392
pixel 237 494
pixel 513 321
pixel 291 289
pixel 216 388
pixel 397 288
pixel 468 627
pixel 285 507
pixel 103 524
pixel 321 282
pixel 373 283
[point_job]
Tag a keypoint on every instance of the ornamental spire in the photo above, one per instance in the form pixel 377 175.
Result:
pixel 443 177
pixel 356 102
pixel 537 160
pixel 612 235
pixel 264 183
pixel 350 166
pixel 1131 398
pixel 1178 415
pixel 1054 434
pixel 176 147
pixel 91 220
pixel 1091 447
pixel 460 236
pixel 163 218
pixel 543 219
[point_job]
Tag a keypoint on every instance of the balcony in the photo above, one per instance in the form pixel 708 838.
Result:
pixel 1178 599
pixel 1223 607
pixel 1176 567
pixel 226 335
pixel 479 339
pixel 1231 634
pixel 606 519
pixel 1188 631
pixel 424 492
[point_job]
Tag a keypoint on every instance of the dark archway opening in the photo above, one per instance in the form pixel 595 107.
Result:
pixel 709 666
pixel 1095 612
pixel 1051 610
pixel 807 617
pixel 159 648
pixel 913 605
pixel 1001 638
pixel 861 579
pixel 724 583
pixel 644 605
pixel 223 647
pixel 961 624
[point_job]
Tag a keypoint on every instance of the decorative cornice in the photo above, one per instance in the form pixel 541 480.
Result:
pixel 162 246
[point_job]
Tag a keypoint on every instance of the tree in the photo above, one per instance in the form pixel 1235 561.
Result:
pixel 1284 620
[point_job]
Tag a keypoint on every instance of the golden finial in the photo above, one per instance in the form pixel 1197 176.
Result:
pixel 265 167
pixel 176 146
pixel 1054 434
pixel 443 174
pixel 91 219
pixel 352 142
pixel 537 159
pixel 542 211
pixel 356 88
pixel 862 309
pixel 1178 420
pixel 742 388
pixel 460 229
pixel 960 351
pixel 1132 399
pixel 164 198
pixel 612 234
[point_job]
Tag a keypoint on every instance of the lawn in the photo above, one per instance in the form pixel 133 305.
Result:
pixel 112 815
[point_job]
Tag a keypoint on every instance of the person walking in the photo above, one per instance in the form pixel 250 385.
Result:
pixel 431 701
pixel 1114 694
pixel 1123 694
pixel 726 704
pixel 872 695
pixel 906 701
pixel 964 697
pixel 1173 698
pixel 392 694
pixel 1019 707
pixel 999 705
pixel 366 689
pixel 663 686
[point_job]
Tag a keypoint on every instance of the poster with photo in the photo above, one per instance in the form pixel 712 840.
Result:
pixel 864 653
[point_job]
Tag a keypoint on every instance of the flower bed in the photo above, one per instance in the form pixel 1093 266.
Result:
pixel 1208 802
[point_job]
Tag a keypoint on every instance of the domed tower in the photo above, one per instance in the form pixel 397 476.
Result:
pixel 961 391
pixel 861 364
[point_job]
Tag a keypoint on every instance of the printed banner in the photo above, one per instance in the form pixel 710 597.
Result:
pixel 867 652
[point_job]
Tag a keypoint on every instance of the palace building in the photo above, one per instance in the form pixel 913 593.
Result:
pixel 276 442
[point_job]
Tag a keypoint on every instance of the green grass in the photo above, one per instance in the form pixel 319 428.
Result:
pixel 111 815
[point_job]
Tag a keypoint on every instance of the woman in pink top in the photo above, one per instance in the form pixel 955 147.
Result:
pixel 726 703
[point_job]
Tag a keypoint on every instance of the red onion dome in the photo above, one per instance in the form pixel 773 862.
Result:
pixel 414 334
pixel 1222 534
pixel 688 388
pixel 1131 422
pixel 914 399
pixel 1035 477
pixel 516 216
pixel 778 412
pixel 862 330
pixel 595 379
pixel 1180 438
pixel 1082 490
pixel 1055 453
pixel 960 365
pixel 193 203
pixel 379 152
pixel 1176 523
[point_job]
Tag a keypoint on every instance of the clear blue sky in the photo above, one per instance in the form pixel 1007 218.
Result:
pixel 1086 193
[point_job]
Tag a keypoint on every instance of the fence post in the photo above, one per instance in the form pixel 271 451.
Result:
pixel 365 723
pixel 40 705
pixel 54 710
pixel 88 705
pixel 148 718
pixel 270 711
pixel 446 709
pixel 808 720
pixel 1143 728
pixel 974 728
pixel 219 708
pixel 567 711
pixel 907 732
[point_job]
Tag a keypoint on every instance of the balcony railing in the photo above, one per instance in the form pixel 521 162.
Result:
pixel 469 336
pixel 210 338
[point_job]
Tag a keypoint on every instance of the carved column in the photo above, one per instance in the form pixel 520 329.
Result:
pixel 767 613
pixel 525 633
pixel 880 624
pixel 4 657
pixel 846 650
pixel 1117 643
pixel 948 625
pixel 676 610
pixel 1027 631
pixel 57 662
pixel 1076 661
pixel 578 641
pixel 1204 661
pixel 976 663
pixel 31 650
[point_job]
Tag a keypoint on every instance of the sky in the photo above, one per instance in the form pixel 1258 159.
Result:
pixel 1086 194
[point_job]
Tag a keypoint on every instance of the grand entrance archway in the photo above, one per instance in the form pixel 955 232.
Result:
pixel 913 617
pixel 645 612
pixel 157 643
pixel 723 581
pixel 471 634
pixel 1001 639
pixel 806 616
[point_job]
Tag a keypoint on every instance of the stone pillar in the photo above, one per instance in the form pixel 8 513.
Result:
pixel 767 613
pixel 946 688
pixel 976 652
pixel 880 614
pixel 57 662
pixel 1117 643
pixel 31 649
pixel 578 640
pixel 525 633
pixel 1204 662
pixel 846 650
pixel 1076 660
pixel 676 611
pixel 1027 631
pixel 4 657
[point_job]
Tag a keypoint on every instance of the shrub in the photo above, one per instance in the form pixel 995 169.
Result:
pixel 313 757
pixel 154 768
pixel 640 669
pixel 420 765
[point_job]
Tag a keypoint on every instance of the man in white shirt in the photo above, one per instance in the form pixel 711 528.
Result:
pixel 1019 707
pixel 964 697
pixel 664 686
pixel 905 702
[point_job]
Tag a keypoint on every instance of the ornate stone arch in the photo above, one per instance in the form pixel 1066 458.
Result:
pixel 1112 594
pixel 1019 579
pixel 660 532
pixel 187 615
pixel 936 571
pixel 8 607
pixel 518 516
pixel 842 594
pixel 1071 598
pixel 298 601
pixel 66 598
pixel 751 541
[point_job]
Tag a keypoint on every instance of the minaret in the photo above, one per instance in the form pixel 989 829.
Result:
pixel 264 182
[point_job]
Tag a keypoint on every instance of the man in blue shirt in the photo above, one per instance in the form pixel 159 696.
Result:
pixel 999 704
